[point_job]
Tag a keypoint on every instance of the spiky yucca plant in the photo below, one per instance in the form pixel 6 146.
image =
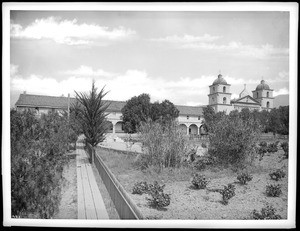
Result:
pixel 91 115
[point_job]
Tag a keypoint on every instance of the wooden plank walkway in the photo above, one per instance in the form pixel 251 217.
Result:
pixel 89 199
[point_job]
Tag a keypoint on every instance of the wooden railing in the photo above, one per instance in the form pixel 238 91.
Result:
pixel 124 205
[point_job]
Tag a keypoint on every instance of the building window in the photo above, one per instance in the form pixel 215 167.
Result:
pixel 213 99
pixel 199 117
pixel 268 104
pixel 224 89
pixel 267 94
pixel 213 89
pixel 187 117
pixel 224 100
pixel 256 94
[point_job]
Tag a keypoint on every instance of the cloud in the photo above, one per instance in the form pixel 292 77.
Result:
pixel 122 86
pixel 186 39
pixel 282 91
pixel 69 32
pixel 86 71
pixel 208 42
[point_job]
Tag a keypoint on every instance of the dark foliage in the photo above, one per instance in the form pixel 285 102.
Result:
pixel 277 175
pixel 244 177
pixel 199 181
pixel 227 193
pixel 273 190
pixel 267 213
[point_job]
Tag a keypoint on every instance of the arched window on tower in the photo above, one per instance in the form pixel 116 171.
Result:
pixel 267 94
pixel 256 94
pixel 224 89
pixel 224 100
pixel 268 104
pixel 213 89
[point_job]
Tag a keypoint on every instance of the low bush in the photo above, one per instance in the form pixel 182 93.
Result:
pixel 227 193
pixel 244 177
pixel 199 181
pixel 262 149
pixel 285 147
pixel 272 147
pixel 267 213
pixel 158 198
pixel 202 162
pixel 273 190
pixel 140 188
pixel 277 175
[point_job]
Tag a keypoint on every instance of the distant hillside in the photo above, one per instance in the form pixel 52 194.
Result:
pixel 281 100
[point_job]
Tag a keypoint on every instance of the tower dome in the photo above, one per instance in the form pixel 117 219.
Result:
pixel 262 86
pixel 219 80
pixel 244 92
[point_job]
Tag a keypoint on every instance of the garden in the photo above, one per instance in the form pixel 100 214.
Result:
pixel 239 177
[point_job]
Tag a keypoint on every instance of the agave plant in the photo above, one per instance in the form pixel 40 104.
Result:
pixel 91 115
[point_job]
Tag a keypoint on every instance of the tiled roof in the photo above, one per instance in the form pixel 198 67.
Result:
pixel 27 100
pixel 189 110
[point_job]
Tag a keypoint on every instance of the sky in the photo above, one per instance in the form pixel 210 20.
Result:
pixel 174 55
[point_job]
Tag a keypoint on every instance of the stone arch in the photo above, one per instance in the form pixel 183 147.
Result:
pixel 111 126
pixel 202 130
pixel 183 128
pixel 193 129
pixel 119 127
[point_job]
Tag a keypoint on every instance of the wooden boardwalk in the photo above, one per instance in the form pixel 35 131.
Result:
pixel 89 199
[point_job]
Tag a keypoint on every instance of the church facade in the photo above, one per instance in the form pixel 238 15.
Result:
pixel 190 117
pixel 219 97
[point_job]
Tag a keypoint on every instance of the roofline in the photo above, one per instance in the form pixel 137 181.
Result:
pixel 248 96
pixel 264 89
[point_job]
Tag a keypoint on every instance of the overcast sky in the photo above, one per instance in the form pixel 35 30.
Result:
pixel 170 55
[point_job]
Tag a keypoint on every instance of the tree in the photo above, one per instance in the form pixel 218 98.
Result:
pixel 233 139
pixel 210 117
pixel 164 112
pixel 136 110
pixel 91 115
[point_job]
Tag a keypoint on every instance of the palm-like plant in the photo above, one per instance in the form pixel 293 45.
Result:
pixel 91 115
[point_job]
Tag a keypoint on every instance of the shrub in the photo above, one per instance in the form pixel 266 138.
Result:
pixel 244 177
pixel 232 140
pixel 165 146
pixel 273 190
pixel 227 193
pixel 199 181
pixel 203 145
pixel 38 146
pixel 277 175
pixel 140 188
pixel 272 148
pixel 285 147
pixel 267 213
pixel 158 198
pixel 262 149
pixel 202 162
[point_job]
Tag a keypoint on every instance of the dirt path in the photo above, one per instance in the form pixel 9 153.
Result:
pixel 68 204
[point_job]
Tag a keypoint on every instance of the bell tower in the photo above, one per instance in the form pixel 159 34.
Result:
pixel 219 95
